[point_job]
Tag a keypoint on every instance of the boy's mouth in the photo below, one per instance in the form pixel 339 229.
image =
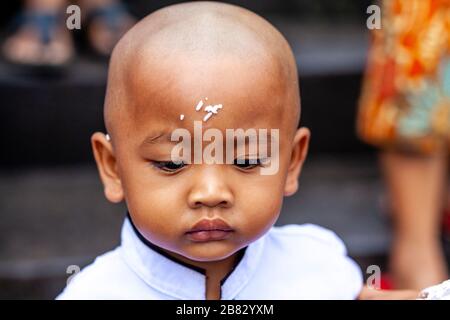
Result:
pixel 209 230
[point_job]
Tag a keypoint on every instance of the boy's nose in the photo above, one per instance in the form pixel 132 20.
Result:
pixel 210 188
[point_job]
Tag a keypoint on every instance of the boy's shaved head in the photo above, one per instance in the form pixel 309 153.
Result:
pixel 184 48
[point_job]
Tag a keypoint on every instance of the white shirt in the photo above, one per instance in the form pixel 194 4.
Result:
pixel 289 262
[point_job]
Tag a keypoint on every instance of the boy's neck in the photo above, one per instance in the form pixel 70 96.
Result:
pixel 215 272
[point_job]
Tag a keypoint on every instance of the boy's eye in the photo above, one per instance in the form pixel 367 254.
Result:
pixel 169 166
pixel 247 164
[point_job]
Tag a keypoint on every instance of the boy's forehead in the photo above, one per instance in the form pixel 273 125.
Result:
pixel 237 94
pixel 188 53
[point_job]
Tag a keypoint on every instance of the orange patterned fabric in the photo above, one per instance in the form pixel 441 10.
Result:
pixel 405 101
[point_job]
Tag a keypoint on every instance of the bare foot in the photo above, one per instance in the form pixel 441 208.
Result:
pixel 27 47
pixel 104 36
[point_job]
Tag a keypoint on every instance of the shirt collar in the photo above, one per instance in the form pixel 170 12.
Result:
pixel 176 278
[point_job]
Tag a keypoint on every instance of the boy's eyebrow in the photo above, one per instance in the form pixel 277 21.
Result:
pixel 154 138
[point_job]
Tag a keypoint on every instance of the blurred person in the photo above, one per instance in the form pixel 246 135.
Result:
pixel 405 111
pixel 42 38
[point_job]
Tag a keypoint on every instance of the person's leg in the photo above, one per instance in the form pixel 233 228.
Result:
pixel 416 186
pixel 446 219
pixel 102 35
pixel 27 46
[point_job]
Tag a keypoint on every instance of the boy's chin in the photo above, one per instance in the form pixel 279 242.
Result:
pixel 209 251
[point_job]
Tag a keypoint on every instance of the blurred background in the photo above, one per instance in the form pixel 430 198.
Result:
pixel 52 210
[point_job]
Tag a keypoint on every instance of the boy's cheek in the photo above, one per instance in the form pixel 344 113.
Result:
pixel 156 221
pixel 261 205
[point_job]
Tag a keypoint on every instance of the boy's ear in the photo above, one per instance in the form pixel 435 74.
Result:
pixel 107 168
pixel 298 156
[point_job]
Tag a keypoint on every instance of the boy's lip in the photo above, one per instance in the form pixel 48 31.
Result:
pixel 207 230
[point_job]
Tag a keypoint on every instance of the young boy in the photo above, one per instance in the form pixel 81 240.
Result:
pixel 202 229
